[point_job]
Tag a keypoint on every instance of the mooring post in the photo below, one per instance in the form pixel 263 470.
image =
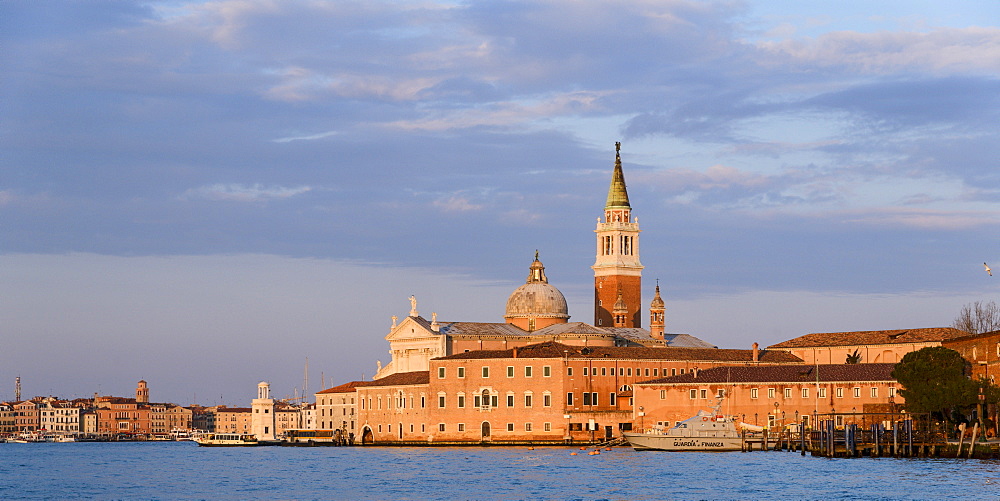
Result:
pixel 972 443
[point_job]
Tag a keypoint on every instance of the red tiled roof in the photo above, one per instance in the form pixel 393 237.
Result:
pixel 346 387
pixel 402 379
pixel 899 336
pixel 234 409
pixel 782 374
pixel 559 350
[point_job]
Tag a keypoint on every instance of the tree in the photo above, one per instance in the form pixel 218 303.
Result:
pixel 978 318
pixel 936 380
pixel 854 358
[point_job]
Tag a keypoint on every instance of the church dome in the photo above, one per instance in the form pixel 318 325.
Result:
pixel 536 304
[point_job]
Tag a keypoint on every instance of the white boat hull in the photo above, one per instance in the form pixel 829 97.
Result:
pixel 660 442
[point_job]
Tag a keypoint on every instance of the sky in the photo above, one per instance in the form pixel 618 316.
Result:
pixel 210 194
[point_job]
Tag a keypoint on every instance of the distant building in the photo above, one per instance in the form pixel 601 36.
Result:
pixel 263 420
pixel 233 419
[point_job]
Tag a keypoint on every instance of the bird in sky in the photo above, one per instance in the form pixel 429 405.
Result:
pixel 988 270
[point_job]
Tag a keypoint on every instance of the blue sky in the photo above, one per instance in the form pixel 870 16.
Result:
pixel 203 194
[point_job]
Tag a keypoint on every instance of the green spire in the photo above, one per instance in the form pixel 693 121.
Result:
pixel 617 194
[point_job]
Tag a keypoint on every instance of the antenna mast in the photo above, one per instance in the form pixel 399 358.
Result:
pixel 17 389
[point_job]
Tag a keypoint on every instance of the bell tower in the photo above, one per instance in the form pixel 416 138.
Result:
pixel 617 270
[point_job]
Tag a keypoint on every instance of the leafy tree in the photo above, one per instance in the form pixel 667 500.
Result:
pixel 854 358
pixel 936 380
pixel 978 318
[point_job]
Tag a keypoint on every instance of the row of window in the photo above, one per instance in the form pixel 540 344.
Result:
pixel 786 392
pixel 626 371
pixel 442 427
pixel 529 371
pixel 625 243
pixel 488 400
pixel 587 371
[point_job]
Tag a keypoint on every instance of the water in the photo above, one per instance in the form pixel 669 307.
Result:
pixel 182 470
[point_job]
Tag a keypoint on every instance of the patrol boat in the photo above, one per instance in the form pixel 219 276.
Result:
pixel 706 431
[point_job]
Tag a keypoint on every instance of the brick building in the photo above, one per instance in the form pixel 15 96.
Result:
pixel 773 395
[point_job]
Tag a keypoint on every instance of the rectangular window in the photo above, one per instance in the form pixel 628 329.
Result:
pixel 663 394
pixel 493 400
pixel 629 372
pixel 704 393
pixel 476 401
pixel 569 371
pixel 586 398
pixel 753 392
pixel 857 392
pixel 892 391
pixel 693 394
pixel 645 372
pixel 821 393
pixel 510 400
pixel 440 372
pixel 527 371
pixel 788 393
pixel 441 401
pixel 547 371
pixel 673 372
pixel 682 370
pixel 547 400
pixel 527 426
pixel 569 399
pixel 614 399
pixel 461 401
pixel 621 371
pixel 656 372
pixel 510 371
pixel 720 393
pixel 805 392
pixel 593 398
pixel 547 426
pixel 441 427
pixel 874 392
pixel 461 372
pixel 770 393
pixel 423 402
pixel 840 393
pixel 604 371
pixel 527 400
pixel 461 426
pixel 510 426
pixel 486 372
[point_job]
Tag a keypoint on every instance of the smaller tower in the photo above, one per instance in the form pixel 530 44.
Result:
pixel 262 419
pixel 142 393
pixel 656 315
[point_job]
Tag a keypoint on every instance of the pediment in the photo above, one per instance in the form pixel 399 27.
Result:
pixel 411 328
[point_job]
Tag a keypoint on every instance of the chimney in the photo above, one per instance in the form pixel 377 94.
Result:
pixel 515 352
pixel 694 373
pixel 756 353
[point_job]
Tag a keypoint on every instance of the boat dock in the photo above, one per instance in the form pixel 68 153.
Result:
pixel 856 434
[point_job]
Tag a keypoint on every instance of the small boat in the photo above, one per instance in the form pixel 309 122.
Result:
pixel 181 435
pixel 706 431
pixel 229 440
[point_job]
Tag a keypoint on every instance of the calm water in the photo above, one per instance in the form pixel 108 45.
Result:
pixel 182 470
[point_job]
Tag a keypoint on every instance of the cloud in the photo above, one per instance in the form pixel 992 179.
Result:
pixel 309 137
pixel 922 218
pixel 242 193
pixel 456 203
pixel 942 51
